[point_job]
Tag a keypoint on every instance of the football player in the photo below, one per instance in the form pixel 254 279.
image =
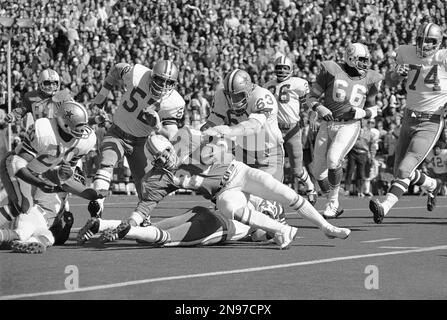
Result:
pixel 149 105
pixel 291 92
pixel 42 103
pixel 51 145
pixel 228 183
pixel 349 90
pixel 248 114
pixel 424 66
pixel 198 226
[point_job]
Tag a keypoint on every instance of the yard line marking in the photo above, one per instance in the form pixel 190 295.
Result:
pixel 381 240
pixel 219 273
pixel 401 248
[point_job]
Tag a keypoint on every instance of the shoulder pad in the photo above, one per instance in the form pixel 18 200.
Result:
pixel 330 66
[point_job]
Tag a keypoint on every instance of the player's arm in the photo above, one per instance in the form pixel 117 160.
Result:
pixel 370 109
pixel 219 114
pixel 113 78
pixel 19 112
pixel 400 70
pixel 25 153
pixel 315 93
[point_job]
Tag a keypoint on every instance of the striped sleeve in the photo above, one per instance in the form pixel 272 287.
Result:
pixel 30 143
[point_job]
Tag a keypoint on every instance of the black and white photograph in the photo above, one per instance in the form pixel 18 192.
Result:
pixel 223 158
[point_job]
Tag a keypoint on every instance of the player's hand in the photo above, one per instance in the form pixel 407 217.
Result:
pixel 10 117
pixel 325 113
pixel 152 118
pixel 402 69
pixel 65 171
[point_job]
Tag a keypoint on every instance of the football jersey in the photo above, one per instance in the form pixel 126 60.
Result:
pixel 129 114
pixel 44 143
pixel 157 183
pixel 426 84
pixel 438 163
pixel 40 105
pixel 342 92
pixel 263 107
pixel 288 94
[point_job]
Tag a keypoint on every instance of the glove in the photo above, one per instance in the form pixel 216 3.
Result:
pixel 402 69
pixel 65 171
pixel 359 113
pixel 324 113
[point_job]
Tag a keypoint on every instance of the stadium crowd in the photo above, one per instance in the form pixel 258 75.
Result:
pixel 82 39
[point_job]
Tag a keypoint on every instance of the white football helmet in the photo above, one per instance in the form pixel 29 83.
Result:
pixel 428 40
pixel 72 118
pixel 165 156
pixel 237 89
pixel 164 78
pixel 357 56
pixel 49 82
pixel 283 68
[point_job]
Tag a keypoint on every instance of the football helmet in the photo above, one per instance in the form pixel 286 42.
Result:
pixel 428 39
pixel 237 89
pixel 357 56
pixel 165 156
pixel 283 68
pixel 72 118
pixel 164 78
pixel 49 82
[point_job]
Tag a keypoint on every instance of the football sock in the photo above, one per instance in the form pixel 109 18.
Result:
pixel 421 179
pixel 107 224
pixel 102 179
pixel 7 235
pixel 259 220
pixel 307 211
pixel 324 185
pixel 135 219
pixel 149 234
pixel 390 200
pixel 305 178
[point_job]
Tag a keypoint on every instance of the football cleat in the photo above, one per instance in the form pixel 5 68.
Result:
pixel 96 208
pixel 88 230
pixel 332 211
pixel 431 196
pixel 377 209
pixel 119 232
pixel 28 247
pixel 274 210
pixel 284 239
pixel 312 196
pixel 333 232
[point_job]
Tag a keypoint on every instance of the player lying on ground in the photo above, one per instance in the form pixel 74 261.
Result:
pixel 211 171
pixel 51 144
pixel 198 226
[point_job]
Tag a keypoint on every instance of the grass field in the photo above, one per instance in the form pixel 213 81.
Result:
pixel 406 254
